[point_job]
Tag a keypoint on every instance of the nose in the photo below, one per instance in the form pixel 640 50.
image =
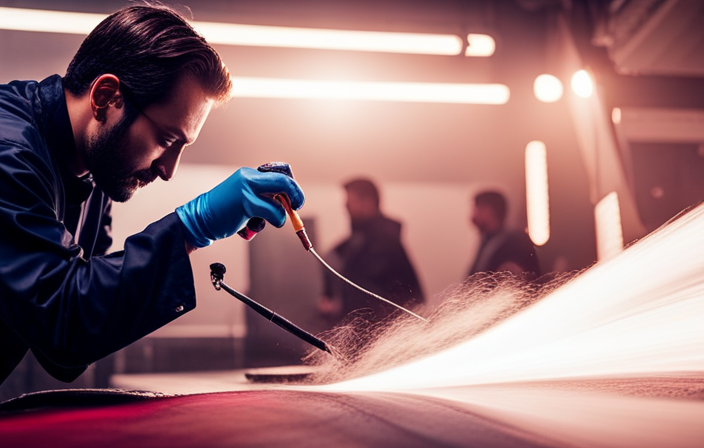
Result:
pixel 167 164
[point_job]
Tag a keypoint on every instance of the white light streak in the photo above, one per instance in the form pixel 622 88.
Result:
pixel 255 35
pixel 609 234
pixel 582 84
pixel 547 88
pixel 537 199
pixel 371 91
pixel 48 21
pixel 638 313
pixel 273 36
pixel 480 45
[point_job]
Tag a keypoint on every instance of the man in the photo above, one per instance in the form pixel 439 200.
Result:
pixel 372 257
pixel 136 93
pixel 501 249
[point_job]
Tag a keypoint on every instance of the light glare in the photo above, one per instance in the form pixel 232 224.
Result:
pixel 537 199
pixel 48 21
pixel 273 36
pixel 547 88
pixel 371 91
pixel 582 84
pixel 254 35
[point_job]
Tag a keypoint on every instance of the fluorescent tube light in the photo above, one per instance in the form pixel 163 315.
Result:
pixel 275 36
pixel 255 35
pixel 371 91
pixel 609 233
pixel 480 45
pixel 537 198
pixel 48 21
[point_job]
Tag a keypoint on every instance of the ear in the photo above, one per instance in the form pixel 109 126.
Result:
pixel 105 92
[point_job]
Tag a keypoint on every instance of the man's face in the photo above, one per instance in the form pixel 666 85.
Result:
pixel 127 155
pixel 484 218
pixel 359 208
pixel 104 159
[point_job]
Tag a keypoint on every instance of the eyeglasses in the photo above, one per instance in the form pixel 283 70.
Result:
pixel 166 142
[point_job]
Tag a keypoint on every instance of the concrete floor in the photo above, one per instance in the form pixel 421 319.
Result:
pixel 225 409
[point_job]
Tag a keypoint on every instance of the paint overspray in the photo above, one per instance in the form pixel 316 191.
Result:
pixel 535 357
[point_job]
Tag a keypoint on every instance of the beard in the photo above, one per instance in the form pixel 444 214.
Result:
pixel 104 158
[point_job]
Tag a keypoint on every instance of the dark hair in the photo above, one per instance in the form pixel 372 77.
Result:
pixel 148 47
pixel 364 188
pixel 494 200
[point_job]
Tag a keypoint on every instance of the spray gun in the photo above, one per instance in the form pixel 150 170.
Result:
pixel 250 230
pixel 256 225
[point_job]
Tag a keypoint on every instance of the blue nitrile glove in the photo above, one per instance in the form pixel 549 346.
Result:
pixel 225 209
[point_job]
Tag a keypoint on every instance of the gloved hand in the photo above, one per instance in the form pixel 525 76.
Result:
pixel 225 209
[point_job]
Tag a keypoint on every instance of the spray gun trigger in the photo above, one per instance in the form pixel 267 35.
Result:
pixel 253 227
pixel 256 225
pixel 277 167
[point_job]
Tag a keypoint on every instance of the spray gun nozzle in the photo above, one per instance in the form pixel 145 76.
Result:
pixel 295 220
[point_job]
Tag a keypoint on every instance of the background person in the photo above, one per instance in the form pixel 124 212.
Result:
pixel 372 257
pixel 501 249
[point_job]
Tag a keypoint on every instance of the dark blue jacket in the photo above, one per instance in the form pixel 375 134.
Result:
pixel 60 295
pixel 374 258
pixel 512 246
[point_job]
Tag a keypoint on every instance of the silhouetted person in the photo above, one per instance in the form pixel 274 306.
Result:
pixel 501 249
pixel 372 257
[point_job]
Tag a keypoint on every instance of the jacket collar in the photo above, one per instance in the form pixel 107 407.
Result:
pixel 59 137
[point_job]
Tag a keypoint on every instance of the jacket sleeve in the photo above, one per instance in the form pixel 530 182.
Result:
pixel 73 311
